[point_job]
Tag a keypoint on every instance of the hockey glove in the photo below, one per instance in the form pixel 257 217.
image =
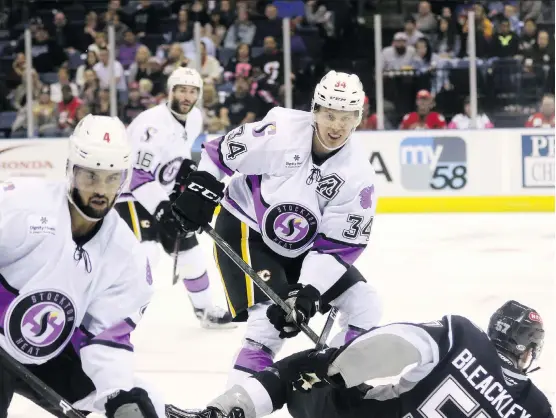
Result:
pixel 133 404
pixel 187 167
pixel 166 221
pixel 307 369
pixel 174 412
pixel 195 206
pixel 304 301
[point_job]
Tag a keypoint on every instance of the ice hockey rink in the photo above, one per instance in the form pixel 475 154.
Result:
pixel 424 266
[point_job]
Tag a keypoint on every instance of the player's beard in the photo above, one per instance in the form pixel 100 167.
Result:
pixel 89 210
pixel 177 108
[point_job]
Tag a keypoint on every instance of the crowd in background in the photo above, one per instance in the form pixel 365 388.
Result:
pixel 242 64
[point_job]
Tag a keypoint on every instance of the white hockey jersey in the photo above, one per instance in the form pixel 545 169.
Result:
pixel 296 203
pixel 160 143
pixel 462 121
pixel 54 293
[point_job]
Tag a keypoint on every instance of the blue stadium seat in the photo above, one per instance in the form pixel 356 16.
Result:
pixel 225 55
pixel 7 119
pixel 256 51
pixel 48 78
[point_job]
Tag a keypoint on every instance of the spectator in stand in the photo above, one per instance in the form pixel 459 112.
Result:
pixel 176 59
pixel 425 18
pixel 140 68
pixel 198 13
pixel 482 23
pixel 425 59
pixel 184 28
pixel 101 42
pixel 211 70
pixel 212 122
pixel 368 121
pixel 227 15
pixel 270 26
pixel 82 111
pixel 317 14
pixel 18 96
pixel 67 109
pixel 505 43
pixel 542 53
pixel 90 61
pixel 145 92
pixel 145 18
pixel 89 33
pixel 120 28
pixel 240 107
pixel 242 31
pixel 215 30
pixel 424 117
pixel 63 80
pixel 62 34
pixel 102 103
pixel 410 30
pixel 90 88
pixel 530 9
pixel 483 35
pixel 447 42
pixel 511 13
pixel 128 49
pixel 17 72
pixel 44 113
pixel 271 62
pixel 104 73
pixel 134 105
pixel 240 65
pixel 399 55
pixel 47 55
pixel 155 75
pixel 463 120
pixel 528 36
pixel 544 118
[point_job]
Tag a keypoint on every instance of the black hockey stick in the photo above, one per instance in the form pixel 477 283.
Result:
pixel 321 343
pixel 41 388
pixel 247 269
pixel 175 277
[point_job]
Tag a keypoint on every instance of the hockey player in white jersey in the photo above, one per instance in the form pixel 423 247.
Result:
pixel 299 210
pixel 162 137
pixel 74 281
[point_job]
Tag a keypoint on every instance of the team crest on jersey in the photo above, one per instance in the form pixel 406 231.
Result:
pixel 40 324
pixel 290 225
pixel 169 171
pixel 329 186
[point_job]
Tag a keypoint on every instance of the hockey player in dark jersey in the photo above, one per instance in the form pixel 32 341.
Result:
pixel 460 371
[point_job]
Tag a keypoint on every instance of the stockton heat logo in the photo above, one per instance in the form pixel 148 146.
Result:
pixel 40 324
pixel 290 225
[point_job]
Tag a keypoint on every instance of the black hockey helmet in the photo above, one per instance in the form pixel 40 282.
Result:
pixel 515 328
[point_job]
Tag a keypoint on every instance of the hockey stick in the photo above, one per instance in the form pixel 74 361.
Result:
pixel 39 386
pixel 321 343
pixel 175 277
pixel 247 269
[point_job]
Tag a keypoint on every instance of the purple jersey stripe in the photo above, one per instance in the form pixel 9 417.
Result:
pixel 258 203
pixel 7 295
pixel 347 253
pixel 140 177
pixel 253 359
pixel 118 333
pixel 213 151
pixel 233 204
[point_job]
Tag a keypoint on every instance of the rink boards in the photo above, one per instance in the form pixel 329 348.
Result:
pixel 497 170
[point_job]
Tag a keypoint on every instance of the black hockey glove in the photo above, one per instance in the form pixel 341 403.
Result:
pixel 133 404
pixel 308 369
pixel 166 221
pixel 187 167
pixel 174 412
pixel 304 301
pixel 195 206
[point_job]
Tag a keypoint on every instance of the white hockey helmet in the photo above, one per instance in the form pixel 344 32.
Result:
pixel 183 76
pixel 99 143
pixel 340 91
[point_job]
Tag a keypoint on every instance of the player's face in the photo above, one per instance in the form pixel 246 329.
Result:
pixel 95 191
pixel 424 105
pixel 334 126
pixel 184 98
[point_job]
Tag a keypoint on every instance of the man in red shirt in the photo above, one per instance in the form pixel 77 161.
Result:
pixel 67 109
pixel 544 118
pixel 424 118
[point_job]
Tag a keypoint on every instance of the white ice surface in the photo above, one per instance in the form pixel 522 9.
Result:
pixel 425 266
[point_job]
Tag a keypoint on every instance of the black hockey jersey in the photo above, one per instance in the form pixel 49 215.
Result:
pixel 459 374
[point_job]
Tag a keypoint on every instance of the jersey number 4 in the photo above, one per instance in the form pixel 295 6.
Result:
pixel 449 399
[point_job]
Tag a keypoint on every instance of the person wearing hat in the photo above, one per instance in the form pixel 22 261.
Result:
pixel 399 54
pixel 424 117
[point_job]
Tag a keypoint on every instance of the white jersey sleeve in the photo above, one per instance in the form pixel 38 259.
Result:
pixel 343 235
pixel 106 351
pixel 146 160
pixel 249 149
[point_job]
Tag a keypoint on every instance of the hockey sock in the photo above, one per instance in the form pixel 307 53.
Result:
pixel 192 270
pixel 199 293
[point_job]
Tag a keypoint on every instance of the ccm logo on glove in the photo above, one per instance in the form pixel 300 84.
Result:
pixel 213 197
